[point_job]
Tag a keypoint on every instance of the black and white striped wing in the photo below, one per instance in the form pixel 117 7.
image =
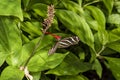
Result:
pixel 53 49
pixel 64 43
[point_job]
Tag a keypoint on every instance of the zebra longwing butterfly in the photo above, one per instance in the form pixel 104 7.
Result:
pixel 64 43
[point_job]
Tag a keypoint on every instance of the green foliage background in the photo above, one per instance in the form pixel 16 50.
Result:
pixel 95 22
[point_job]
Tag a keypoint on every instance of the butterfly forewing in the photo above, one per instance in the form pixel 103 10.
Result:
pixel 64 43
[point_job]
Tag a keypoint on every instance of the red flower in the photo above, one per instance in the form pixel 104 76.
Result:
pixel 57 37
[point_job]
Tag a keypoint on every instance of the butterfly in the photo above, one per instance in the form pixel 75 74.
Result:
pixel 64 43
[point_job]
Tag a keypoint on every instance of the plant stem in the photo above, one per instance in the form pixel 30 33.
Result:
pixel 34 49
pixel 98 54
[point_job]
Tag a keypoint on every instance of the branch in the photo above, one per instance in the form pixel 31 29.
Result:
pixel 46 24
pixel 98 54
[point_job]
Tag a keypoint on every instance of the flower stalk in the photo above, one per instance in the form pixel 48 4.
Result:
pixel 46 25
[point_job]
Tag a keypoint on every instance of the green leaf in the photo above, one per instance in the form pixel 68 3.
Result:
pixel 40 9
pixel 47 42
pixel 97 43
pixel 36 75
pixel 3 54
pixel 25 39
pixel 3 57
pixel 41 61
pixel 31 28
pixel 77 25
pixel 70 66
pixel 11 73
pixel 26 3
pixel 90 20
pixel 26 15
pixel 100 18
pixel 114 35
pixel 114 45
pixel 82 55
pixel 103 36
pixel 98 15
pixel 10 39
pixel 97 66
pixel 70 5
pixel 109 5
pixel 114 19
pixel 11 7
pixel 25 52
pixel 117 5
pixel 78 77
pixel 27 49
pixel 93 55
pixel 54 26
pixel 80 2
pixel 114 65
